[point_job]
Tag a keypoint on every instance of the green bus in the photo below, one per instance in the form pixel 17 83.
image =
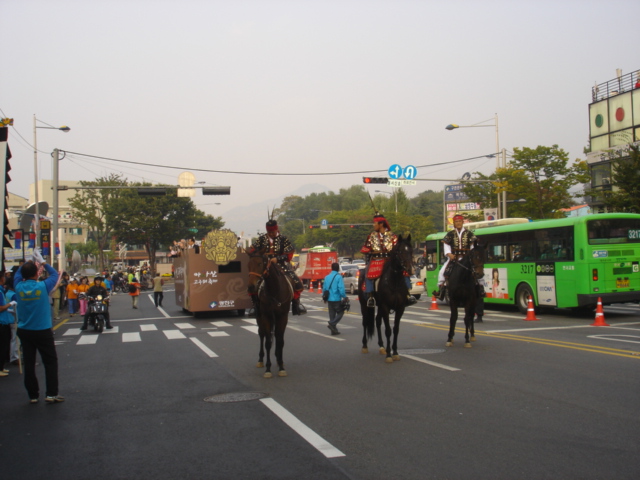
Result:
pixel 563 263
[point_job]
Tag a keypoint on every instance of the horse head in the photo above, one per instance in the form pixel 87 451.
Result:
pixel 403 253
pixel 258 264
pixel 477 259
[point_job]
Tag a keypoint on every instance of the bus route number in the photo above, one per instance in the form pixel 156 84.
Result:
pixel 525 269
pixel 634 234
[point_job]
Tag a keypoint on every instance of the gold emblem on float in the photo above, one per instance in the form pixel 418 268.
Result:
pixel 220 246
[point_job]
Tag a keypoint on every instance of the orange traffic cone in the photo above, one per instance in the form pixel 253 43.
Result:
pixel 531 313
pixel 434 304
pixel 311 285
pixel 319 287
pixel 599 322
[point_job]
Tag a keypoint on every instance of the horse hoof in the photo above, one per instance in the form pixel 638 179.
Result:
pixel 259 365
pixel 383 351
pixel 473 339
pixel 365 350
pixel 267 375
pixel 282 373
pixel 449 344
pixel 467 345
pixel 388 360
pixel 396 358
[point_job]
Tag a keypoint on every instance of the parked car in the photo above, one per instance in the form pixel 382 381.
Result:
pixel 359 262
pixel 417 287
pixel 343 260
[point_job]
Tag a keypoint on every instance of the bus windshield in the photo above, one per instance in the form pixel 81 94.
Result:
pixel 614 230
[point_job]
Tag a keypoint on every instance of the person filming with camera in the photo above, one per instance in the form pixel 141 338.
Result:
pixel 333 293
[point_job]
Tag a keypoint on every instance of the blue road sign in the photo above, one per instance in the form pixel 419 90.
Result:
pixel 410 172
pixel 323 222
pixel 395 171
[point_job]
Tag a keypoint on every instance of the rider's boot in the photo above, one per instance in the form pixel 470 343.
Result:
pixel 371 301
pixel 411 300
pixel 440 292
pixel 478 319
pixel 295 306
pixel 108 321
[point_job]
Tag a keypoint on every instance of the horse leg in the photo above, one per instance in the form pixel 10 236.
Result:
pixel 468 322
pixel 396 330
pixel 379 317
pixel 261 334
pixel 368 321
pixel 268 342
pixel 281 325
pixel 387 332
pixel 452 322
pixel 472 325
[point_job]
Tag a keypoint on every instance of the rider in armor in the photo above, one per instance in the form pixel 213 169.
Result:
pixel 94 290
pixel 379 244
pixel 279 250
pixel 456 242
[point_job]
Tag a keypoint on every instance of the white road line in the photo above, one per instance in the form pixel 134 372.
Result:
pixel 434 364
pixel 534 329
pixel 111 330
pixel 173 334
pixel 87 339
pixel 331 337
pixel 203 347
pixel 72 331
pixel 218 334
pixel 220 323
pixel 131 337
pixel 608 337
pixel 301 429
pixel 249 320
pixel 166 315
pixel 148 328
pixel 183 326
pixel 146 319
pixel 624 328
pixel 251 328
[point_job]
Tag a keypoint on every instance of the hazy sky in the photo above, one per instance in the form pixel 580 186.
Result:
pixel 301 86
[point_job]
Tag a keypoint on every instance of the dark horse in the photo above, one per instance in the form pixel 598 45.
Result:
pixel 391 294
pixel 275 294
pixel 462 287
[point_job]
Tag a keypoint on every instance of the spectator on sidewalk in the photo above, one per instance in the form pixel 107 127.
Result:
pixel 6 320
pixel 72 296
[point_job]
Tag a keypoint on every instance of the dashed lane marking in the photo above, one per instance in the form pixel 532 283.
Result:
pixel 131 337
pixel 331 337
pixel 221 323
pixel 429 362
pixel 148 328
pixel 183 326
pixel 203 347
pixel 218 334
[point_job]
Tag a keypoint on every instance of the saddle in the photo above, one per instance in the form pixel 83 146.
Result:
pixel 375 268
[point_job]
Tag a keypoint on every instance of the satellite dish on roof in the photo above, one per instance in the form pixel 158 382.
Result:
pixel 27 216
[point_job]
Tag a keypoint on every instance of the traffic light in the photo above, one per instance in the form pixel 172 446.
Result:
pixel 384 180
pixel 334 226
pixel 311 227
pixel 151 192
pixel 216 191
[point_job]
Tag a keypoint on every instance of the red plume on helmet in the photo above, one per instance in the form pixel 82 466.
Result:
pixel 380 219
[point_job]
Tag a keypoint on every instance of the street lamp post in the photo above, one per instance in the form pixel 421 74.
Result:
pixel 395 194
pixel 453 126
pixel 65 129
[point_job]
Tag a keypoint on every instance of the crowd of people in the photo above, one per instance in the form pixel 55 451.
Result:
pixel 180 246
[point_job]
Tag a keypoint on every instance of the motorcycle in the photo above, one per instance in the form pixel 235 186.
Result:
pixel 98 306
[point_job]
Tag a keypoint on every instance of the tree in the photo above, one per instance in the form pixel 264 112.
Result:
pixel 152 221
pixel 90 207
pixel 539 176
pixel 625 176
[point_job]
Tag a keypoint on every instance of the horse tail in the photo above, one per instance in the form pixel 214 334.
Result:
pixel 369 321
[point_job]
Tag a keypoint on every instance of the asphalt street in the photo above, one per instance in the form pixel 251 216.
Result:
pixel 556 398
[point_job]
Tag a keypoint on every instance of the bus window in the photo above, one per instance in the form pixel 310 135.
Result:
pixel 497 253
pixel 231 267
pixel 521 251
pixel 618 230
pixel 431 254
pixel 555 244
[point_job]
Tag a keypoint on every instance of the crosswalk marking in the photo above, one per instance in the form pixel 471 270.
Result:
pixel 112 330
pixel 221 323
pixel 148 328
pixel 252 321
pixel 72 331
pixel 173 334
pixel 131 337
pixel 218 334
pixel 251 328
pixel 87 339
pixel 182 326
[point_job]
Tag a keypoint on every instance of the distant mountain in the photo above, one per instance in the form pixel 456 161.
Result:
pixel 251 218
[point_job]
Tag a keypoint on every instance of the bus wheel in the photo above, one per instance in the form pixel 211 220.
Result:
pixel 522 297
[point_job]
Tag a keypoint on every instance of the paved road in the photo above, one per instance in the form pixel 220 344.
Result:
pixel 550 399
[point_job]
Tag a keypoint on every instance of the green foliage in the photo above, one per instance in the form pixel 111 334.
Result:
pixel 540 176
pixel 625 176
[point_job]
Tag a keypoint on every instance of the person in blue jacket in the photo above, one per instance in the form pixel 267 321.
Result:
pixel 35 327
pixel 334 284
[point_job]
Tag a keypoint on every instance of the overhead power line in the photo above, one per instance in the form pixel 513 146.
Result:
pixel 264 173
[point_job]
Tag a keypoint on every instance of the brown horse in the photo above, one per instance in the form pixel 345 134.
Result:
pixel 268 281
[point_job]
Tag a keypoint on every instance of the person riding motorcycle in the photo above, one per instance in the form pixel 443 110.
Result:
pixel 97 289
